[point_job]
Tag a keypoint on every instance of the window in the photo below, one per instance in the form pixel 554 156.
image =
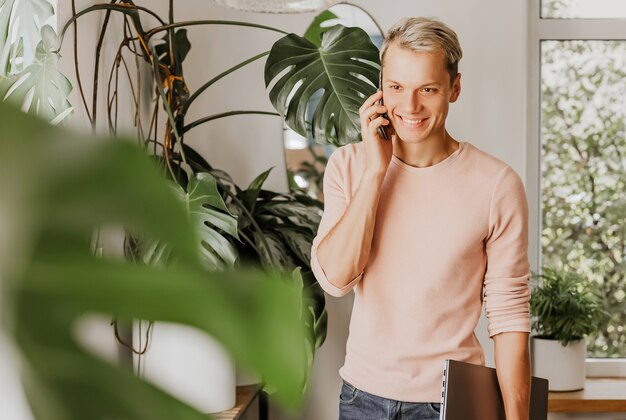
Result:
pixel 577 154
pixel 583 9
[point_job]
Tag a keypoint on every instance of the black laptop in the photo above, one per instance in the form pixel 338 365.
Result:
pixel 471 392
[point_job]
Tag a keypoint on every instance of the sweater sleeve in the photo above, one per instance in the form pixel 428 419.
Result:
pixel 507 289
pixel 335 204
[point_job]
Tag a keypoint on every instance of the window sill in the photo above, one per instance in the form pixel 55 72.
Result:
pixel 599 395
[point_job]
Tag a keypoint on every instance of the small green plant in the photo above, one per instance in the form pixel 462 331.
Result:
pixel 563 306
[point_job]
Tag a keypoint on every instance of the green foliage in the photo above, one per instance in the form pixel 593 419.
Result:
pixel 291 221
pixel 345 67
pixel 57 187
pixel 29 76
pixel 25 19
pixel 274 231
pixel 555 8
pixel 584 174
pixel 317 28
pixel 564 307
pixel 182 46
pixel 280 228
pixel 277 230
pixel 211 220
pixel 314 315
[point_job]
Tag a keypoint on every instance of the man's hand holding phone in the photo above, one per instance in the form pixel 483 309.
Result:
pixel 378 149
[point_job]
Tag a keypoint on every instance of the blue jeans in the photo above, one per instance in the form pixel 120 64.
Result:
pixel 356 404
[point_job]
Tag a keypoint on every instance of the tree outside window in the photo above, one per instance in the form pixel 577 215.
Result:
pixel 583 169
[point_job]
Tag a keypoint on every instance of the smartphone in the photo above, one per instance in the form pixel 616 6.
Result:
pixel 383 130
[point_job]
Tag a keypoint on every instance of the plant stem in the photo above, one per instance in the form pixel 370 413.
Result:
pixel 209 22
pixel 94 104
pixel 253 223
pixel 218 77
pixel 166 104
pixel 80 85
pixel 161 93
pixel 224 114
pixel 140 133
pixel 151 13
pixel 250 242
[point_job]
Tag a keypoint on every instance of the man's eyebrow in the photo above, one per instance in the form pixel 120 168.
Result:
pixel 430 83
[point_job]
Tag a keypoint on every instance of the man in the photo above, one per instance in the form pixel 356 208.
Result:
pixel 416 225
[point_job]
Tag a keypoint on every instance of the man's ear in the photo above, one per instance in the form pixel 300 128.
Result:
pixel 456 88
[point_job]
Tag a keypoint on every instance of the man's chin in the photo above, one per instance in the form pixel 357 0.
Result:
pixel 411 138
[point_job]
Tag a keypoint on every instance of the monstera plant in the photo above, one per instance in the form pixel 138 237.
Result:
pixel 29 76
pixel 58 187
pixel 273 230
pixel 333 67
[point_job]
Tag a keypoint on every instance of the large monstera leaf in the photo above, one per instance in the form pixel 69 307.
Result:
pixel 24 19
pixel 40 88
pixel 208 212
pixel 345 67
pixel 211 220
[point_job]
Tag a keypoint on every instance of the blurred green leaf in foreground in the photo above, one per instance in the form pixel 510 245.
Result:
pixel 57 187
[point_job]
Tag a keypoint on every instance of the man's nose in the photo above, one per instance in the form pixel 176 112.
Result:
pixel 411 102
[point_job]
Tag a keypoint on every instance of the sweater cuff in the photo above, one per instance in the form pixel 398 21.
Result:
pixel 326 285
pixel 507 304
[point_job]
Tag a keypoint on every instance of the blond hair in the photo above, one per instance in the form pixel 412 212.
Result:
pixel 425 34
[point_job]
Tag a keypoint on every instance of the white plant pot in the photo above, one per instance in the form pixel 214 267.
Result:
pixel 188 364
pixel 564 367
pixel 247 378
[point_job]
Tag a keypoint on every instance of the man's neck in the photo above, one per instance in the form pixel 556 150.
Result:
pixel 427 153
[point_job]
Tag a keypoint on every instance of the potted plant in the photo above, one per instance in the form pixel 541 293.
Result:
pixel 564 310
pixel 235 225
pixel 278 227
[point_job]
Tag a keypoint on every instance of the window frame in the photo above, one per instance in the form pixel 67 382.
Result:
pixel 542 29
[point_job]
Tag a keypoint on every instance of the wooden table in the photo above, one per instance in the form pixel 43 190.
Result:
pixel 251 404
pixel 599 395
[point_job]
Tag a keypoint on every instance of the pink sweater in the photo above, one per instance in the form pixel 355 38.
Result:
pixel 442 233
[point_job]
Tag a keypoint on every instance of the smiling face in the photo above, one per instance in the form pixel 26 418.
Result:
pixel 417 92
